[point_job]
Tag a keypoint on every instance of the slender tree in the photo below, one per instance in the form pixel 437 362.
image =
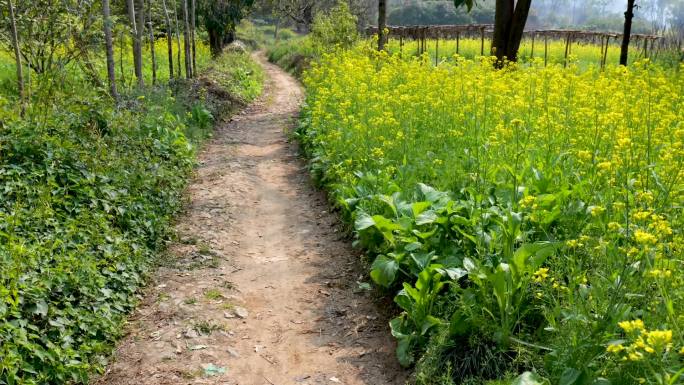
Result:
pixel 186 40
pixel 626 35
pixel 192 36
pixel 140 30
pixel 180 47
pixel 137 44
pixel 276 13
pixel 382 23
pixel 153 55
pixel 169 38
pixel 109 44
pixel 122 43
pixel 17 55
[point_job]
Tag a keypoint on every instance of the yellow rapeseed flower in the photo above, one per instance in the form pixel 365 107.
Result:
pixel 630 326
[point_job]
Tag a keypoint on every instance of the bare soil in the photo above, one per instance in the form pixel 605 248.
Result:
pixel 262 285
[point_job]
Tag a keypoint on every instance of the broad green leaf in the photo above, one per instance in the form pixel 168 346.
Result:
pixel 389 201
pixel 458 325
pixel 469 265
pixel 411 291
pixel 528 378
pixel 363 221
pixel 429 323
pixel 425 234
pixel 413 246
pixel 404 300
pixel 422 260
pixel 405 351
pixel 426 217
pixel 399 327
pixel 41 308
pixel 418 208
pixel 571 376
pixel 532 255
pixel 430 193
pixel 502 282
pixel 384 270
pixel 454 273
pixel 386 226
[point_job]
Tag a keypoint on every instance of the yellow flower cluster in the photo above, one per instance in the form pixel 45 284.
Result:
pixel 541 274
pixel 644 341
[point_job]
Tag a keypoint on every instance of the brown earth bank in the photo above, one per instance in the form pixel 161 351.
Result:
pixel 262 285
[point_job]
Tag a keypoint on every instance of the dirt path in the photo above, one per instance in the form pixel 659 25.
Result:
pixel 262 286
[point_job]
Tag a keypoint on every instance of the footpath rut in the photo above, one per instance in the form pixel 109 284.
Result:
pixel 261 287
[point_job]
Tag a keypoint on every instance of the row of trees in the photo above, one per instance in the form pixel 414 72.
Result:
pixel 48 35
pixel 300 14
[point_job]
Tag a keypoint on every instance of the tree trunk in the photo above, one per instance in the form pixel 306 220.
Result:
pixel 137 45
pixel 509 24
pixel 228 38
pixel 122 43
pixel 17 56
pixel 169 39
pixel 502 26
pixel 276 29
pixel 180 47
pixel 111 74
pixel 186 40
pixel 216 41
pixel 522 11
pixel 382 23
pixel 141 33
pixel 192 36
pixel 152 53
pixel 624 50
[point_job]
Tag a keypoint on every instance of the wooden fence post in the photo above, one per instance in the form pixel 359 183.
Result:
pixel 546 49
pixel 419 41
pixel 401 46
pixel 645 48
pixel 458 41
pixel 482 35
pixel 605 53
pixel 567 44
pixel 532 53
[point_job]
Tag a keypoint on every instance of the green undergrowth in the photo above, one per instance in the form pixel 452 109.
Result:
pixel 293 55
pixel 238 75
pixel 89 188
